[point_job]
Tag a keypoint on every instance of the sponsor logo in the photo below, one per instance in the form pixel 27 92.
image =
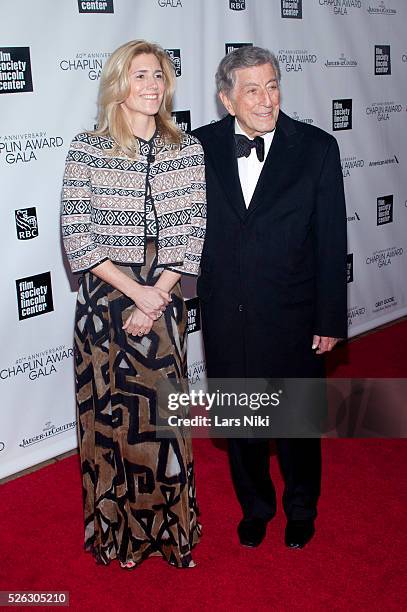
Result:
pixel 294 60
pixel 350 163
pixel 384 257
pixel 380 9
pixel 89 63
pixel 229 47
pixel 26 223
pixel 182 119
pixel 384 210
pixel 237 5
pixel 175 56
pixel 296 116
pixel 34 295
pixel 341 115
pixel 385 162
pixel 354 217
pixel 95 6
pixel 291 9
pixel 15 70
pixel 385 304
pixel 383 111
pixel 349 268
pixel 354 313
pixel 170 3
pixel 341 7
pixel 38 364
pixel 49 431
pixel 194 315
pixel 16 148
pixel 382 62
pixel 341 62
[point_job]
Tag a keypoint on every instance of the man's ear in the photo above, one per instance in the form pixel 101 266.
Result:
pixel 226 103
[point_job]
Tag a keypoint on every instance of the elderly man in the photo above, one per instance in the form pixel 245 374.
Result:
pixel 273 272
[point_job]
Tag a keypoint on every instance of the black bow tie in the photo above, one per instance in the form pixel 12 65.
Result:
pixel 244 146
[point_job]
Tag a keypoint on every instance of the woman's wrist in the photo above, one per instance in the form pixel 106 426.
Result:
pixel 134 291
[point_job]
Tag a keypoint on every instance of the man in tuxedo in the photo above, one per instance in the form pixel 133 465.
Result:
pixel 273 272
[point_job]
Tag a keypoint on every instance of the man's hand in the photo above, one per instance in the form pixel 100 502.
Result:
pixel 323 344
pixel 138 323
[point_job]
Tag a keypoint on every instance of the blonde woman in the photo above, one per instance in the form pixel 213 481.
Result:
pixel 133 221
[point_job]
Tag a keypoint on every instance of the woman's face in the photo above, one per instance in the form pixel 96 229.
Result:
pixel 146 86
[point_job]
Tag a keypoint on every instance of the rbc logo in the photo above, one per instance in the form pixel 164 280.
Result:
pixel 237 5
pixel 26 223
pixel 175 57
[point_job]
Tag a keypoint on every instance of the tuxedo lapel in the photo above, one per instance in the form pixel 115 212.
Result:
pixel 279 162
pixel 224 161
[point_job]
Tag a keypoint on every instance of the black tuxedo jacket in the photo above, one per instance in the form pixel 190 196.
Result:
pixel 272 274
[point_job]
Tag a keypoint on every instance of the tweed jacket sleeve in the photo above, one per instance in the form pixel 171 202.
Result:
pixel 81 249
pixel 197 224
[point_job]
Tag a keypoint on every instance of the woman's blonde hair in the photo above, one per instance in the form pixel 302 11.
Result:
pixel 115 88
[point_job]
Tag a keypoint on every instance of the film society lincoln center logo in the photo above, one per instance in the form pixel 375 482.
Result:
pixel 182 119
pixel 95 6
pixel 382 63
pixel 34 295
pixel 341 115
pixel 291 9
pixel 349 268
pixel 384 210
pixel 230 47
pixel 15 70
pixel 194 315
pixel 26 223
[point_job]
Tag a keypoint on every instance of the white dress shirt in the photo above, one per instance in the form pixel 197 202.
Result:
pixel 250 167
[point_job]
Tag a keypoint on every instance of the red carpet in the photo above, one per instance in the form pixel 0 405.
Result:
pixel 357 560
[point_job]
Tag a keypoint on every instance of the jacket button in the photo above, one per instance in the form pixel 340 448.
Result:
pixel 240 307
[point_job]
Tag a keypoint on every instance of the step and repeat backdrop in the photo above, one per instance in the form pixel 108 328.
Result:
pixel 344 69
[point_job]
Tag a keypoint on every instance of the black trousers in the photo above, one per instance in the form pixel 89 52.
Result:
pixel 300 462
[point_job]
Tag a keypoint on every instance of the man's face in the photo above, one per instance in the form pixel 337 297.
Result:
pixel 254 100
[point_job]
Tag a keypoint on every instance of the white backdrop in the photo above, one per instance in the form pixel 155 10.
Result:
pixel 343 62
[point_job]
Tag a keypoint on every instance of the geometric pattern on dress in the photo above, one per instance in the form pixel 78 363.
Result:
pixel 138 490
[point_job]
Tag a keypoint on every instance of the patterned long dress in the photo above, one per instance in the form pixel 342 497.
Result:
pixel 138 489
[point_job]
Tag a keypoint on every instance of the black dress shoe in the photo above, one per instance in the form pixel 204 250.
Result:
pixel 252 531
pixel 298 533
